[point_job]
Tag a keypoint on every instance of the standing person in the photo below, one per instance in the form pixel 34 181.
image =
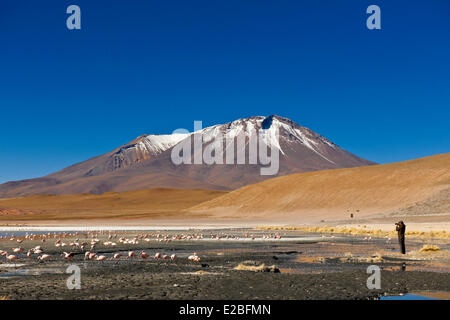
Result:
pixel 400 227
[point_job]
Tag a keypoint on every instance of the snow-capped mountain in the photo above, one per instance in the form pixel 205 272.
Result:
pixel 144 148
pixel 289 134
pixel 146 161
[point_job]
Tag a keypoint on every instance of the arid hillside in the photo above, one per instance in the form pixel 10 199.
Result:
pixel 417 186
pixel 152 203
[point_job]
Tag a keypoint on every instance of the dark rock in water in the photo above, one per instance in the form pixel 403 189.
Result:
pixel 205 265
pixel 275 258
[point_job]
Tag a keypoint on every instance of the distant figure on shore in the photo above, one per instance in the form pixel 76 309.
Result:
pixel 400 227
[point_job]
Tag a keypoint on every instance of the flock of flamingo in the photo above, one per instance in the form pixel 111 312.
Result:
pixel 88 247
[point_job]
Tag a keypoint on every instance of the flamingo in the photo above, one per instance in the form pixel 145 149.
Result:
pixel 194 257
pixel 130 254
pixel 157 255
pixel 12 258
pixel 44 257
pixel 17 250
pixel 173 257
pixel 68 255
pixel 144 255
pixel 101 258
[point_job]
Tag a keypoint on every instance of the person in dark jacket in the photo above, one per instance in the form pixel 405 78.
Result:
pixel 400 227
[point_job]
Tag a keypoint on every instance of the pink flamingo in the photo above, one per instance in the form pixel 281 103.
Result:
pixel 194 257
pixel 12 258
pixel 68 255
pixel 44 257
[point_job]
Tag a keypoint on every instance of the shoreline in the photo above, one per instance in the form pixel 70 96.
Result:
pixel 378 227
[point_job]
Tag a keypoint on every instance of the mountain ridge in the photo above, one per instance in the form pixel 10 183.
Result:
pixel 146 161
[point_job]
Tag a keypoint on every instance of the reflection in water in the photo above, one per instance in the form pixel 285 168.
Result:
pixel 31 272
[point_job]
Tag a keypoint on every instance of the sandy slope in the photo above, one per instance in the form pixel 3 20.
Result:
pixel 151 203
pixel 418 189
pixel 335 194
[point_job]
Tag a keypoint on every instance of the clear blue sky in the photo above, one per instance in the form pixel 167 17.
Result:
pixel 153 66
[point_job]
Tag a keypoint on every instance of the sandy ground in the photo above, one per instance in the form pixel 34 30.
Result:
pixel 312 266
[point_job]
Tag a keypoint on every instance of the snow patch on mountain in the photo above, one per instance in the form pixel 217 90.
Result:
pixel 276 129
pixel 272 125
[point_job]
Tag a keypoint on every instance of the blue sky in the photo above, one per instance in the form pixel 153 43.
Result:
pixel 140 67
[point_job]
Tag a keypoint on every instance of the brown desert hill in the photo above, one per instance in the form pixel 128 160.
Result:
pixel 146 162
pixel 151 203
pixel 334 194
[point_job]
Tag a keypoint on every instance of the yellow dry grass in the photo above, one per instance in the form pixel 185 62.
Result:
pixel 429 248
pixel 350 258
pixel 201 272
pixel 4 298
pixel 245 266
pixel 360 231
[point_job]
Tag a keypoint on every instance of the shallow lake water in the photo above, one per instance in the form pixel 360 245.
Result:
pixel 432 295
